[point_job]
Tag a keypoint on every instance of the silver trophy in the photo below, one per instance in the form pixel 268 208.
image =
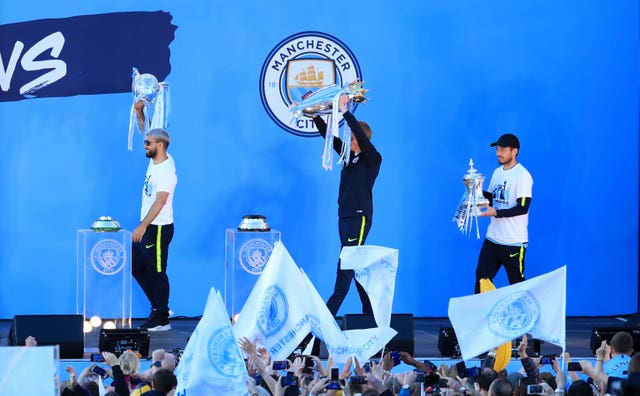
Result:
pixel 254 222
pixel 147 89
pixel 472 202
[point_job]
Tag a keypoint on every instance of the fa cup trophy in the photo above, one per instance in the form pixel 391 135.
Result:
pixel 472 201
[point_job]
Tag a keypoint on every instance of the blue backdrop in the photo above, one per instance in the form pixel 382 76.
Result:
pixel 445 80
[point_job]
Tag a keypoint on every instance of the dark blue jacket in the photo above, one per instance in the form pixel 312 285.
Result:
pixel 355 196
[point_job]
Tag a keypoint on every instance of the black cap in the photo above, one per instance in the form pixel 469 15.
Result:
pixel 507 140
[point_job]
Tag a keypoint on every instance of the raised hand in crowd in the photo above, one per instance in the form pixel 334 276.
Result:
pixel 316 387
pixel 561 377
pixel 72 387
pixel 119 383
pixel 377 385
pixel 30 341
pixel 250 348
pixel 408 359
pixel 256 363
pixel 378 370
pixel 320 368
pixel 346 369
pixel 252 386
pixel 357 369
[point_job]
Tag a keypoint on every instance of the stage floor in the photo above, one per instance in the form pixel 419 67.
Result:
pixel 426 333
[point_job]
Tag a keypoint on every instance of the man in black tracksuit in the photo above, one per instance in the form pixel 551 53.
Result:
pixel 355 199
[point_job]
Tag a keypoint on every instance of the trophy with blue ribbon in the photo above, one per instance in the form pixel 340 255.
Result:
pixel 325 102
pixel 147 92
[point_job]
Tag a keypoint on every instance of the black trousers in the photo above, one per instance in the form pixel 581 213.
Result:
pixel 493 256
pixel 353 232
pixel 149 266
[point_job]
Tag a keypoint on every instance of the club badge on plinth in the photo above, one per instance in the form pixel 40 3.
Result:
pixel 325 102
pixel 149 92
pixel 472 201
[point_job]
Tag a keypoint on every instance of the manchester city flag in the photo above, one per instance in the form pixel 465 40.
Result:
pixel 487 320
pixel 284 307
pixel 212 363
pixel 375 269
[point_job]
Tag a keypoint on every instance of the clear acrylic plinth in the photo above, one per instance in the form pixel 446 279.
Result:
pixel 246 254
pixel 103 276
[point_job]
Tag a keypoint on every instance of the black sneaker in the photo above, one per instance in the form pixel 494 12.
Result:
pixel 156 322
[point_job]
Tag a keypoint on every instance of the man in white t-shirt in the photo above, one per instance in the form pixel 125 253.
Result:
pixel 151 238
pixel 509 194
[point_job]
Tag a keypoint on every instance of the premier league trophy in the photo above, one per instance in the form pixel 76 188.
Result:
pixel 148 91
pixel 472 201
pixel 325 102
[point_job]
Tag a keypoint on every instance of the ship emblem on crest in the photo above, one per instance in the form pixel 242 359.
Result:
pixel 108 256
pixel 514 315
pixel 299 66
pixel 254 254
pixel 306 76
pixel 224 355
pixel 273 312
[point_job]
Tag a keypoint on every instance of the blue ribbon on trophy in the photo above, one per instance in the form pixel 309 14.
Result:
pixel 147 92
pixel 325 102
pixel 472 201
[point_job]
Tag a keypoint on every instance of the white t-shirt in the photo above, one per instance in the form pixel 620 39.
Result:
pixel 160 177
pixel 507 186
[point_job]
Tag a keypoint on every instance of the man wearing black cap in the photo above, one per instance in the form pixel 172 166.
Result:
pixel 509 195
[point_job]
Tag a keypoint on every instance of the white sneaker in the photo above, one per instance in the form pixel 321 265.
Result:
pixel 159 327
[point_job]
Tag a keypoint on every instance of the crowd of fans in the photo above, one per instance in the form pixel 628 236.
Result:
pixel 616 372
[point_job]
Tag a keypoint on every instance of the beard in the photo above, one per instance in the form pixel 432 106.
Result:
pixel 151 153
pixel 504 160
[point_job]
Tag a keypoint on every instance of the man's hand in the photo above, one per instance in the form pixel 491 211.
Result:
pixel 138 233
pixel 342 103
pixel 249 347
pixel 522 348
pixel 603 351
pixel 157 355
pixel 490 212
pixel 110 358
pixel 139 108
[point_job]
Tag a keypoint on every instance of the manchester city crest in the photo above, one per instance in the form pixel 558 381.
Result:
pixel 254 254
pixel 224 354
pixel 273 312
pixel 514 315
pixel 298 66
pixel 108 256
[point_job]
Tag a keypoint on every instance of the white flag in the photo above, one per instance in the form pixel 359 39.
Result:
pixel 375 269
pixel 362 343
pixel 536 306
pixel 284 307
pixel 212 363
